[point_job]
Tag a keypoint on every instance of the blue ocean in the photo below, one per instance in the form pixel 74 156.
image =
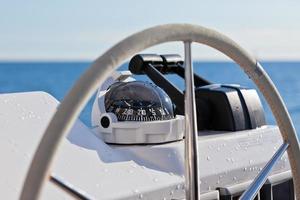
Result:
pixel 57 79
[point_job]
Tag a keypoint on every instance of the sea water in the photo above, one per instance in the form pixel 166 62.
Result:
pixel 57 78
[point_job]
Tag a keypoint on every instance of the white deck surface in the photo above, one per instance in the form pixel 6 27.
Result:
pixel 122 172
pixel 84 160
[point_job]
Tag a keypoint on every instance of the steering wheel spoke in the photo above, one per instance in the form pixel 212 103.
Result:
pixel 261 178
pixel 192 174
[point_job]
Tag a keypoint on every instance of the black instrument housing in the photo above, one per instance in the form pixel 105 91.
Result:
pixel 219 107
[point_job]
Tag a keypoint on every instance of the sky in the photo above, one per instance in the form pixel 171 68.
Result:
pixel 85 29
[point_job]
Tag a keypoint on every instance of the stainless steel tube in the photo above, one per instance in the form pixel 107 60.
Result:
pixel 261 178
pixel 192 176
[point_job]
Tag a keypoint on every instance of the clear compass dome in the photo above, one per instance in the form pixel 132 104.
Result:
pixel 138 101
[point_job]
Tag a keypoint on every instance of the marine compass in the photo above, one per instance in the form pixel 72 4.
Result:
pixel 127 111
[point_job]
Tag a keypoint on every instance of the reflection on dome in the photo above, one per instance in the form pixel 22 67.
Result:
pixel 138 101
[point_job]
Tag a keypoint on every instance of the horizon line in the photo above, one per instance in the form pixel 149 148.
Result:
pixel 92 60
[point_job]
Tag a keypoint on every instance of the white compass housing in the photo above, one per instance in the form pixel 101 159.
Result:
pixel 129 129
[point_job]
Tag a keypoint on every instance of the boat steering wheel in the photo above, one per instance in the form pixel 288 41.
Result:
pixel 84 88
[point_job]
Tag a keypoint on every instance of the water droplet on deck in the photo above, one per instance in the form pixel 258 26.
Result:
pixel 155 179
pixel 171 174
pixel 134 165
pixel 135 191
pixel 26 155
pixel 143 167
